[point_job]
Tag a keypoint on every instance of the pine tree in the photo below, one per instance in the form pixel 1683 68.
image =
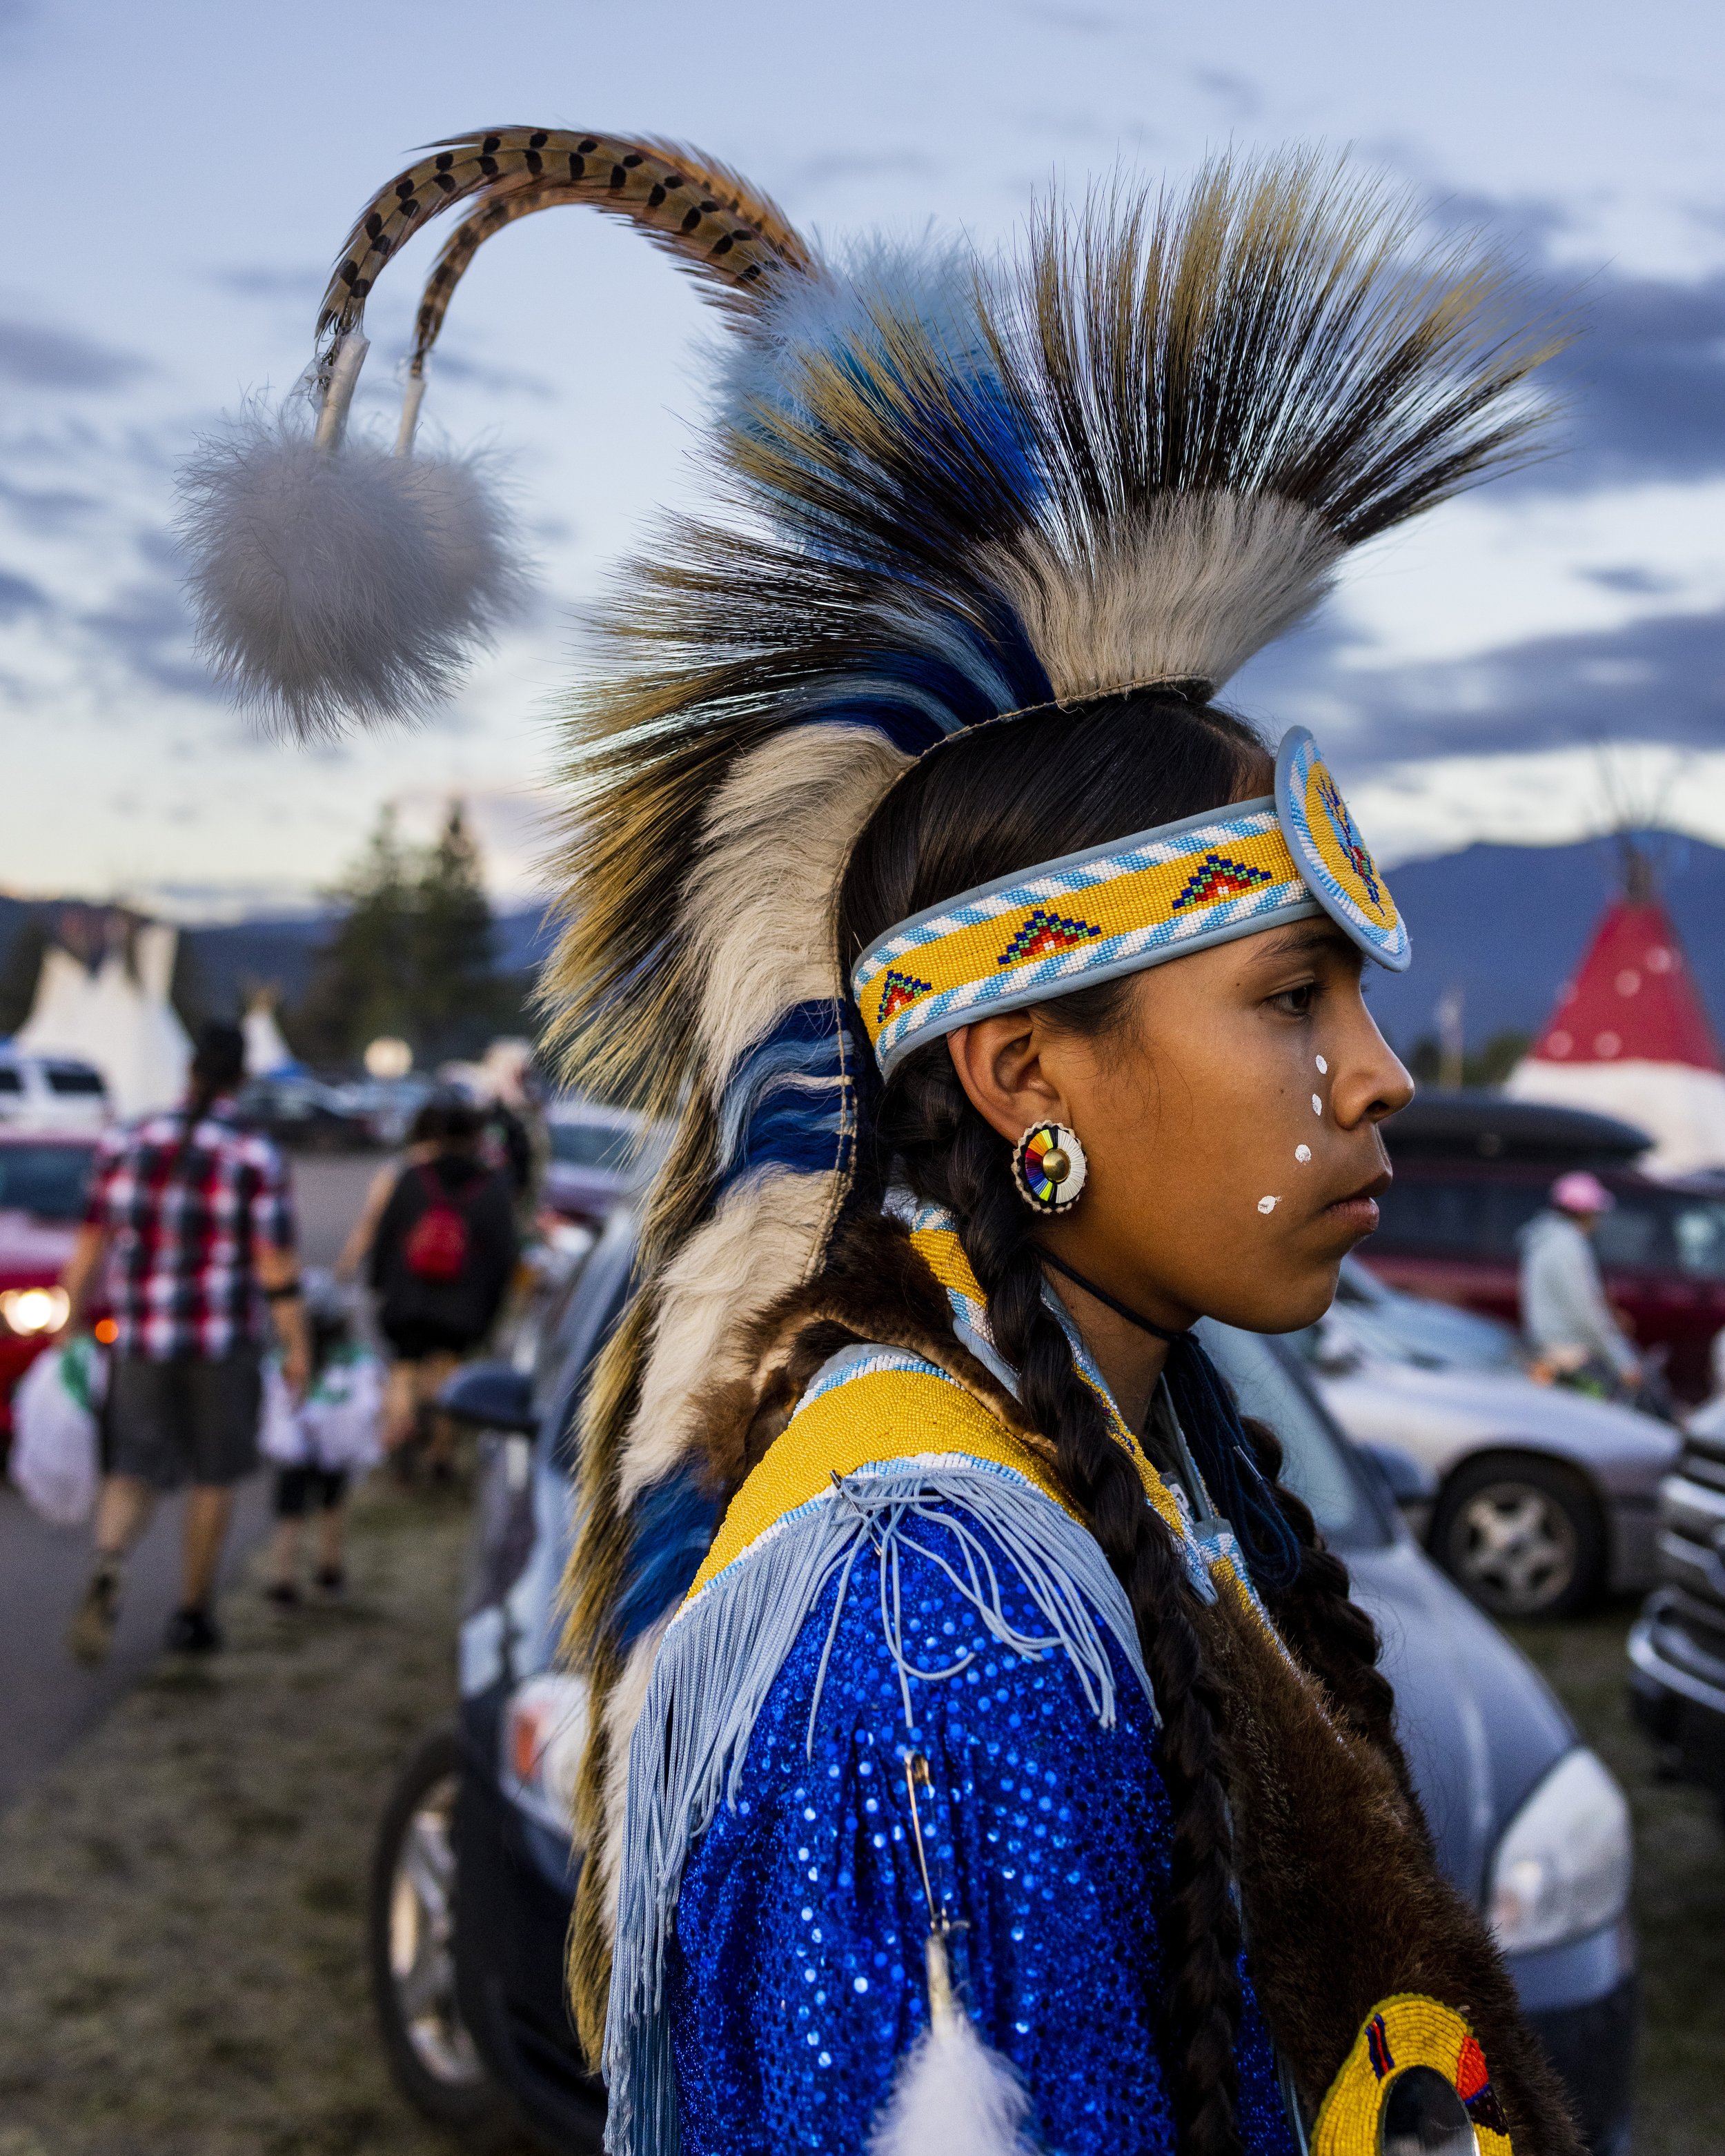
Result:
pixel 453 969
pixel 411 954
pixel 361 978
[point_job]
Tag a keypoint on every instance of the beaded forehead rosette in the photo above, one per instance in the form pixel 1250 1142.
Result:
pixel 1132 903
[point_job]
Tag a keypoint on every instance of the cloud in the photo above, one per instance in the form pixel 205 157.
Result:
pixel 18 596
pixel 145 627
pixel 1239 97
pixel 38 357
pixel 837 166
pixel 1660 678
pixel 1063 15
pixel 49 509
pixel 247 282
pixel 497 381
pixel 1644 381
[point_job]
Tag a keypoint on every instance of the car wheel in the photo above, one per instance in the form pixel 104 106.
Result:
pixel 1523 1538
pixel 435 2061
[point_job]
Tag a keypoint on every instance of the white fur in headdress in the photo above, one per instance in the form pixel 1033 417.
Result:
pixel 334 581
pixel 332 578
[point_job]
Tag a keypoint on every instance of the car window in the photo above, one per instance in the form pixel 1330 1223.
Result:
pixel 49 1181
pixel 67 1078
pixel 591 1145
pixel 1471 1216
pixel 1636 1237
pixel 1697 1229
pixel 1314 1464
pixel 12 1078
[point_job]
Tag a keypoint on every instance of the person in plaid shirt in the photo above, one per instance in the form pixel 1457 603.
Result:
pixel 191 1222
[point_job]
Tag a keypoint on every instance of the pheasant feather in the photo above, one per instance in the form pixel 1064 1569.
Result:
pixel 702 213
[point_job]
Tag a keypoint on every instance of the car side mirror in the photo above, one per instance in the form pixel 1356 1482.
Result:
pixel 1404 1480
pixel 491 1396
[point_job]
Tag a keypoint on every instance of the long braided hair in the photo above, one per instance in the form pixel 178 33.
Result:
pixel 978 809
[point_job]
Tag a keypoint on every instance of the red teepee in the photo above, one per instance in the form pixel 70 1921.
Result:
pixel 1630 1036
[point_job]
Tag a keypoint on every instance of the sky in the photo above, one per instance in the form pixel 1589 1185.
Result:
pixel 1510 667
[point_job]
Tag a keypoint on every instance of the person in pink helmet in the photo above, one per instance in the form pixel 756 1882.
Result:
pixel 1569 1321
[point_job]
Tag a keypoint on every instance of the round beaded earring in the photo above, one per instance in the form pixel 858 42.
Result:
pixel 1048 1167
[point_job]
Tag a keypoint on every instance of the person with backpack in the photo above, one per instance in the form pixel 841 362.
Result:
pixel 440 1259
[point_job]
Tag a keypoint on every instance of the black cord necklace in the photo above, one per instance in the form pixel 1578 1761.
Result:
pixel 1102 1296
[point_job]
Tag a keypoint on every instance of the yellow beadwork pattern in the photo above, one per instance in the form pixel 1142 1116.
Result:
pixel 943 1254
pixel 1408 2029
pixel 1114 908
pixel 884 1414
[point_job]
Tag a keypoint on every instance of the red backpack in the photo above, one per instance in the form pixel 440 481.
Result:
pixel 437 1244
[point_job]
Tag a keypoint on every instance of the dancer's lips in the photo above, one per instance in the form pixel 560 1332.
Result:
pixel 1356 1215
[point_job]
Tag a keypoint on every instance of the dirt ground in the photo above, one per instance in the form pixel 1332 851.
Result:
pixel 1679 1892
pixel 182 1901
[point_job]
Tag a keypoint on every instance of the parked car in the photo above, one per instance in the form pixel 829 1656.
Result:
pixel 1676 1647
pixel 594 1158
pixel 473 1866
pixel 44 1177
pixel 304 1114
pixel 386 1106
pixel 52 1092
pixel 1437 1335
pixel 1471 1170
pixel 1539 1498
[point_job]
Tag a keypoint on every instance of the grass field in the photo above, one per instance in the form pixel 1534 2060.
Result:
pixel 183 1902
pixel 1679 1892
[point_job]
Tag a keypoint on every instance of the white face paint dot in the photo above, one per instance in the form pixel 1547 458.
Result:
pixel 1302 1154
pixel 1317 1106
pixel 1266 1205
pixel 1324 1067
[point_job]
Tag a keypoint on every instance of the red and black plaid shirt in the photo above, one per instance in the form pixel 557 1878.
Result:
pixel 184 1207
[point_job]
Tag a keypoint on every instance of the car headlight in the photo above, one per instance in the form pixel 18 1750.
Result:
pixel 30 1310
pixel 544 1734
pixel 1562 1864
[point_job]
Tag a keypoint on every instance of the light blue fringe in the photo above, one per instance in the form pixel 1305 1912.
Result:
pixel 721 1655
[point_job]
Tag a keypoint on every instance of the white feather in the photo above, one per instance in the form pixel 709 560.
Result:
pixel 954 2097
pixel 331 583
pixel 1188 592
pixel 764 1238
pixel 761 904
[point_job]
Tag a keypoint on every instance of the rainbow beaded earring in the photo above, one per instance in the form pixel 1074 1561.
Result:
pixel 1048 1167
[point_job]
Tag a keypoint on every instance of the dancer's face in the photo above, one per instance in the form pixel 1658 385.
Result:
pixel 1230 1122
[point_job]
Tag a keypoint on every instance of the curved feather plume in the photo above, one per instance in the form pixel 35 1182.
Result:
pixel 332 581
pixel 717 228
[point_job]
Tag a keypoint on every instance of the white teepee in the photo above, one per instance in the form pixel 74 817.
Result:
pixel 119 1018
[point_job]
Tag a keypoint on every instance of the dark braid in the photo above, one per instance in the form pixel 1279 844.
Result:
pixel 953 1158
pixel 1328 1630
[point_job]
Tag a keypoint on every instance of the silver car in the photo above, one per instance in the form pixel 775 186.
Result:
pixel 1533 1498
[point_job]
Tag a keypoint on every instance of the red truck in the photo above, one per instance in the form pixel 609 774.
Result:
pixel 1472 1168
pixel 44 1177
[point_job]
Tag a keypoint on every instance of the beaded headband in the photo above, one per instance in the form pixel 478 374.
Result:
pixel 1129 904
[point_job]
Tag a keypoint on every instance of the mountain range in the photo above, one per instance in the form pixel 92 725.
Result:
pixel 1505 926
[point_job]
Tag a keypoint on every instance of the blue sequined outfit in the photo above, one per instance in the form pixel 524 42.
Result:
pixel 794 1980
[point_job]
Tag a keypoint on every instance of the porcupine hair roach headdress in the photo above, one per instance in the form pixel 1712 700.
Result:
pixel 948 492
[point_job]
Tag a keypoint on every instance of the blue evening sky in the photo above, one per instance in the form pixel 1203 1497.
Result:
pixel 184 170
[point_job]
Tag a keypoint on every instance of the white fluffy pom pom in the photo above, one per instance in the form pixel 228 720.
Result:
pixel 954 2097
pixel 330 584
